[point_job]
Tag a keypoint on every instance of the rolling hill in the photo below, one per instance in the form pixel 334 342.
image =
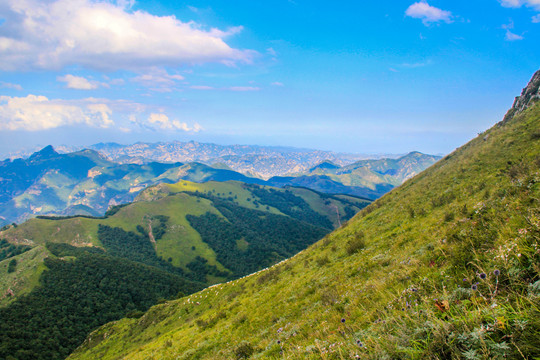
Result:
pixel 444 267
pixel 61 277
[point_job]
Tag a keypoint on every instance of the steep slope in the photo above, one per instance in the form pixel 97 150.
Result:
pixel 445 266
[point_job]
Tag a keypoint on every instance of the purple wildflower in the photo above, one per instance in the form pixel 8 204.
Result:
pixel 482 276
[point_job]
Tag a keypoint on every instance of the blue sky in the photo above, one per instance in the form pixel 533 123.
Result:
pixel 351 76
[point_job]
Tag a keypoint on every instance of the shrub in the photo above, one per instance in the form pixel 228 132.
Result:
pixel 356 244
pixel 12 266
pixel 244 351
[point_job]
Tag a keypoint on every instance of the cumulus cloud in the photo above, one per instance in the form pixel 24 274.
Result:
pixel 105 35
pixel 35 112
pixel 77 82
pixel 427 13
pixel 162 121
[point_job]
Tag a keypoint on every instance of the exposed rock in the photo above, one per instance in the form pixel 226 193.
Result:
pixel 528 96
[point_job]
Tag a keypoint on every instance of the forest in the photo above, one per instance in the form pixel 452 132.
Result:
pixel 81 290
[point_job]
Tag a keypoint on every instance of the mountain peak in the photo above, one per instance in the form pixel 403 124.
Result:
pixel 45 153
pixel 326 164
pixel 529 95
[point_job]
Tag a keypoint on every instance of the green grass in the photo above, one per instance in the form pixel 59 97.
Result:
pixel 24 278
pixel 408 293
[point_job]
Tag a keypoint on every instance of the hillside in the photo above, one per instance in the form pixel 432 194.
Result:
pixel 445 266
pixel 61 277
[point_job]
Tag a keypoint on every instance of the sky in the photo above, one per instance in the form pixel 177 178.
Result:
pixel 347 76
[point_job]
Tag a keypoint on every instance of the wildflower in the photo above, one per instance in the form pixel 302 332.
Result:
pixel 482 276
pixel 279 342
pixel 343 320
pixel 474 287
pixel 359 343
pixel 496 272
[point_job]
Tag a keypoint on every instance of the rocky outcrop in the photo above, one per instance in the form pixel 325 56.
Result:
pixel 528 96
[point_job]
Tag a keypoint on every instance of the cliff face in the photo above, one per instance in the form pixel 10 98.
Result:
pixel 528 96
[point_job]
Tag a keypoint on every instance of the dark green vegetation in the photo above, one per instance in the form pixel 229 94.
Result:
pixel 174 239
pixel 444 267
pixel 8 250
pixel 81 289
pixel 268 238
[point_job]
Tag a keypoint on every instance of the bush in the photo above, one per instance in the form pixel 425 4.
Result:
pixel 356 244
pixel 12 266
pixel 244 351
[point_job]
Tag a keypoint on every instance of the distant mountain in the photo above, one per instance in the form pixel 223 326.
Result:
pixel 86 183
pixel 261 161
pixel 78 273
pixel 367 178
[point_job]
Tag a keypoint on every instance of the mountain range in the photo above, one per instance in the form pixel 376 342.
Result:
pixel 252 160
pixel 87 183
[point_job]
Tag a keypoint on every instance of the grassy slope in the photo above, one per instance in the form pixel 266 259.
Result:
pixel 396 282
pixel 25 277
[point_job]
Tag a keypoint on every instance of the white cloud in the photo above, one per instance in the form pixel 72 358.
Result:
pixel 6 85
pixel 277 83
pixel 163 122
pixel 428 14
pixel 243 88
pixel 105 35
pixel 536 19
pixel 535 4
pixel 510 36
pixel 35 112
pixel 201 87
pixel 78 83
pixel 158 80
